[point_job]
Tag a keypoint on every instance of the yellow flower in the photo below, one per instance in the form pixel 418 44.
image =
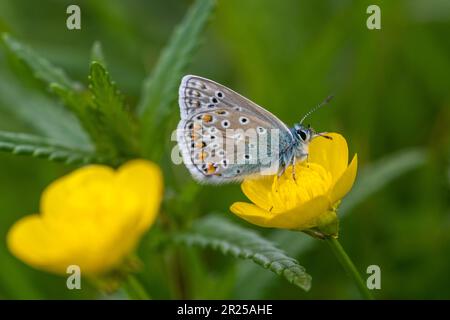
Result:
pixel 310 200
pixel 93 218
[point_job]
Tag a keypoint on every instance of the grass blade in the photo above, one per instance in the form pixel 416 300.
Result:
pixel 160 88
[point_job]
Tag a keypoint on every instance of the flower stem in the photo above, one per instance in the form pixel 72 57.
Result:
pixel 135 289
pixel 349 267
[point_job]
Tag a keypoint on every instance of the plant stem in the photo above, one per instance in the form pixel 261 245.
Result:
pixel 349 267
pixel 135 289
pixel 180 276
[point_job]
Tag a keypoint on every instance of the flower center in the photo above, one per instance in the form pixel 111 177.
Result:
pixel 311 181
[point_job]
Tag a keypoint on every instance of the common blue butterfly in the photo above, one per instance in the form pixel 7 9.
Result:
pixel 225 137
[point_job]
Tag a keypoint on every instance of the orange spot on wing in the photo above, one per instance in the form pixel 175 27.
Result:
pixel 200 144
pixel 210 168
pixel 195 136
pixel 207 118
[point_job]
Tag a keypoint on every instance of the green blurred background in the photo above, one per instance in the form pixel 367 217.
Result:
pixel 392 93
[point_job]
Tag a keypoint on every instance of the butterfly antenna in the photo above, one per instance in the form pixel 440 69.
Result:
pixel 324 102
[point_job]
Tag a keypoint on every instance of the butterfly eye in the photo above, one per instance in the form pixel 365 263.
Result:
pixel 302 134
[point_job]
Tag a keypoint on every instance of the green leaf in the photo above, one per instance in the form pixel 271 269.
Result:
pixel 101 110
pixel 160 88
pixel 370 180
pixel 107 100
pixel 40 114
pixel 220 234
pixel 97 53
pixel 42 69
pixel 40 147
pixel 36 109
pixel 80 103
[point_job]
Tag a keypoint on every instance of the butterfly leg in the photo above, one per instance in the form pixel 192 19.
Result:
pixel 284 163
pixel 282 170
pixel 293 169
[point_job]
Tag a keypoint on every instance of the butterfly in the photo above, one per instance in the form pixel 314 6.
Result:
pixel 224 137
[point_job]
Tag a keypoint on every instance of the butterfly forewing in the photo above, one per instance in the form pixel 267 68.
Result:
pixel 224 136
pixel 196 93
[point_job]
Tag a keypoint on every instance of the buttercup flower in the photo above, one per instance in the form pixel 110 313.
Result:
pixel 309 201
pixel 93 218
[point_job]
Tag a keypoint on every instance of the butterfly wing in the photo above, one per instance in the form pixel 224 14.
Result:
pixel 221 133
pixel 196 93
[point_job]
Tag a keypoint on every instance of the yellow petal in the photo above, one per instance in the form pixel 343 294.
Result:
pixel 140 186
pixel 251 213
pixel 50 249
pixel 31 241
pixel 299 218
pixel 81 193
pixel 302 217
pixel 332 155
pixel 345 182
pixel 311 181
pixel 258 191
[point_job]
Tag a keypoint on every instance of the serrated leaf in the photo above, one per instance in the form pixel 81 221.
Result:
pixel 40 147
pixel 160 88
pixel 42 69
pixel 97 53
pixel 110 104
pixel 80 103
pixel 371 179
pixel 40 114
pixel 36 109
pixel 101 112
pixel 220 234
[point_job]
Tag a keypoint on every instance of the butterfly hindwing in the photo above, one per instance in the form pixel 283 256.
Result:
pixel 219 147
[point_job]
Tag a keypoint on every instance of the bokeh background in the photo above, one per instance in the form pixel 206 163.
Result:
pixel 392 97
